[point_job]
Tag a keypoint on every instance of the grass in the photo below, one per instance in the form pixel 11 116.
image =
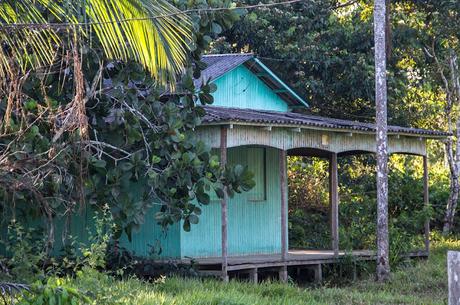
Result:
pixel 425 283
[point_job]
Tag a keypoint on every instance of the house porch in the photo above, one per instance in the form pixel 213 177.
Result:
pixel 297 134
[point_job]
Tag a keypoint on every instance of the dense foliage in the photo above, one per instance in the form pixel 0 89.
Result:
pixel 96 132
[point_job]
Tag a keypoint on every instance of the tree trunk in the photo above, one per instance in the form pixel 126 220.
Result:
pixel 383 265
pixel 453 160
pixel 452 90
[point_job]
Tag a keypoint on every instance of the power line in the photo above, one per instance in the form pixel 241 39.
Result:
pixel 65 25
pixel 178 13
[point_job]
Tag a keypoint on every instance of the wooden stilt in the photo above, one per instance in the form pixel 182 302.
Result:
pixel 426 202
pixel 224 209
pixel 355 271
pixel 318 273
pixel 334 202
pixel 254 275
pixel 283 184
pixel 283 275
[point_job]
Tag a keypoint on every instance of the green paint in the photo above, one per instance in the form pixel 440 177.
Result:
pixel 253 219
pixel 253 225
pixel 150 240
pixel 240 88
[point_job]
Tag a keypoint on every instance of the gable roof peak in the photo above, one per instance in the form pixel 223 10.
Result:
pixel 229 54
pixel 220 64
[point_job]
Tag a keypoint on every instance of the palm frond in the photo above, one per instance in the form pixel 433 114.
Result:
pixel 160 44
pixel 126 29
pixel 24 48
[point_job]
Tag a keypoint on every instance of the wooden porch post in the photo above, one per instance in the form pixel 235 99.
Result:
pixel 426 202
pixel 283 184
pixel 224 209
pixel 334 202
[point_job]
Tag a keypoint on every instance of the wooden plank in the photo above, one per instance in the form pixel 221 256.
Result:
pixel 275 265
pixel 283 183
pixel 453 271
pixel 293 255
pixel 310 137
pixel 224 208
pixel 426 202
pixel 295 258
pixel 334 202
pixel 216 273
pixel 306 259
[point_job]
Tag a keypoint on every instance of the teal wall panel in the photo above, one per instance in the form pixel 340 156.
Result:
pixel 204 238
pixel 82 223
pixel 150 240
pixel 78 227
pixel 253 225
pixel 240 88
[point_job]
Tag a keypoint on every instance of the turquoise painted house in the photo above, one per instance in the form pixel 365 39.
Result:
pixel 254 218
pixel 252 122
pixel 255 121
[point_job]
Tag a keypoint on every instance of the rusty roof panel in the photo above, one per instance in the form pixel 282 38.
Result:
pixel 220 115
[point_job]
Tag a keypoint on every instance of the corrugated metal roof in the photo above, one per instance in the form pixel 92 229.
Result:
pixel 222 115
pixel 219 64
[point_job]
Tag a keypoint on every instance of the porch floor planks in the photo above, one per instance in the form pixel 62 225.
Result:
pixel 294 258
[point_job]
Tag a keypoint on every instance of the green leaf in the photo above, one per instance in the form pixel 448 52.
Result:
pixel 126 166
pixel 197 211
pixel 186 225
pixel 216 28
pixel 98 163
pixel 193 219
pixel 202 197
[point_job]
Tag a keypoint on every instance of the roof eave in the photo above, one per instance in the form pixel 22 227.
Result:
pixel 322 128
pixel 283 84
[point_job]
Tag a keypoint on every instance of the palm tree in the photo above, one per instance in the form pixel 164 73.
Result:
pixel 151 32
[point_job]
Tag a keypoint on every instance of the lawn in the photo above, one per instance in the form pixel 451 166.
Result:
pixel 423 283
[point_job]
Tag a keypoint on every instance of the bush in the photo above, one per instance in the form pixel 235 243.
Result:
pixel 54 291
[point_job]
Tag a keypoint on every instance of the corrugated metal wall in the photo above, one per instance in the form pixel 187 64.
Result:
pixel 254 218
pixel 254 222
pixel 150 240
pixel 240 88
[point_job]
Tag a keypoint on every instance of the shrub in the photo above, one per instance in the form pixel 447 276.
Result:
pixel 54 291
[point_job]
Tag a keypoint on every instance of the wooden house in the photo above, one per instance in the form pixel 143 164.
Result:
pixel 252 122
